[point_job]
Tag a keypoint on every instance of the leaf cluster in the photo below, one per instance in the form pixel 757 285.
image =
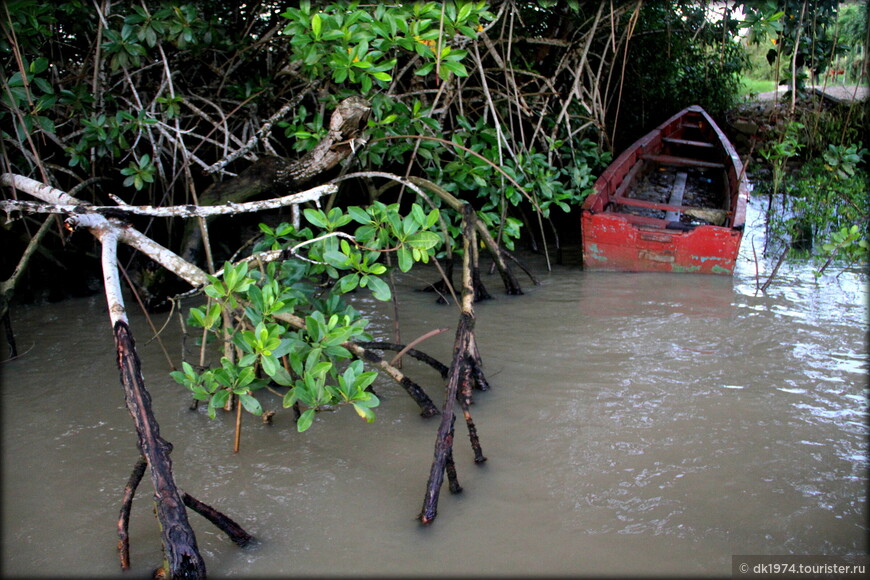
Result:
pixel 311 360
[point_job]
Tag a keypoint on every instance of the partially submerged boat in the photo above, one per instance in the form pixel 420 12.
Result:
pixel 675 201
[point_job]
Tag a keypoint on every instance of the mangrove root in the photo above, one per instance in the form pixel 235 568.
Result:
pixel 179 542
pixel 465 374
pixel 234 531
pixel 126 506
pixel 440 367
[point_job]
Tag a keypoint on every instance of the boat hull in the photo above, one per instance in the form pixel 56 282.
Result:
pixel 618 236
pixel 613 243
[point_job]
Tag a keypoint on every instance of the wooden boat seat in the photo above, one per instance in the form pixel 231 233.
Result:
pixel 710 214
pixel 676 197
pixel 685 161
pixel 690 142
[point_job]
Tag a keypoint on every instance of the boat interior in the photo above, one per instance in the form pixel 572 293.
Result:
pixel 677 179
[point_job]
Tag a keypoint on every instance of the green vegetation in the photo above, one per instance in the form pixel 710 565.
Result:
pixel 813 149
pixel 750 86
pixel 829 36
pixel 825 209
pixel 310 361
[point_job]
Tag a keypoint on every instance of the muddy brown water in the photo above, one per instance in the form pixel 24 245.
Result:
pixel 638 425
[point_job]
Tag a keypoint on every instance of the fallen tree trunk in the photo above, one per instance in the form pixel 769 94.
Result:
pixel 278 175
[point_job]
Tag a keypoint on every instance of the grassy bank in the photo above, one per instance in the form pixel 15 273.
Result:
pixel 750 86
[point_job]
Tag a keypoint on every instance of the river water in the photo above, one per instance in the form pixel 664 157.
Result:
pixel 638 424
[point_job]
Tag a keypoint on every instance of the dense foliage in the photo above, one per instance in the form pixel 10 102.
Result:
pixel 140 99
pixel 814 149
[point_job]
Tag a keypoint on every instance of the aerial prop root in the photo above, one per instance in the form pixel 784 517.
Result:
pixel 465 373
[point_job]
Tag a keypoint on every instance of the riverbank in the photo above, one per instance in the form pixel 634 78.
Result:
pixel 764 112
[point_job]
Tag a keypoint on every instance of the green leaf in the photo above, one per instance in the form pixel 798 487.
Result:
pixel 315 217
pixel 320 369
pixel 305 421
pixel 214 314
pixel 425 69
pixel 283 348
pixel 364 380
pixel 456 68
pixel 348 283
pixel 336 259
pixel 251 404
pixel 196 317
pixel 380 289
pixel 359 215
pixel 281 376
pixel 270 365
pixel 364 412
pixel 423 240
pixel 219 399
pixel 464 12
pixel 406 259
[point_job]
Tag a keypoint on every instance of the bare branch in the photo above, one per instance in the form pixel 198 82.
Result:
pixel 60 202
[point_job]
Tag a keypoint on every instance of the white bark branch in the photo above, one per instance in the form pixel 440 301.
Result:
pixel 60 202
pixel 111 280
pixel 98 224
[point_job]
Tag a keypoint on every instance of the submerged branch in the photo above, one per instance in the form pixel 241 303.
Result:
pixel 126 506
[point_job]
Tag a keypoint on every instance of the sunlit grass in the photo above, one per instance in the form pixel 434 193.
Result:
pixel 754 86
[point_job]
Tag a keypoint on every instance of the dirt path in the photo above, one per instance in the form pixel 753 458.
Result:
pixel 835 92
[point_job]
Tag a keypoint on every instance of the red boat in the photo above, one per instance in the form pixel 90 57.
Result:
pixel 675 201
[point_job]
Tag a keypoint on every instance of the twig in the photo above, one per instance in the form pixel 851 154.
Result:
pixel 775 269
pixel 415 342
pixel 260 134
